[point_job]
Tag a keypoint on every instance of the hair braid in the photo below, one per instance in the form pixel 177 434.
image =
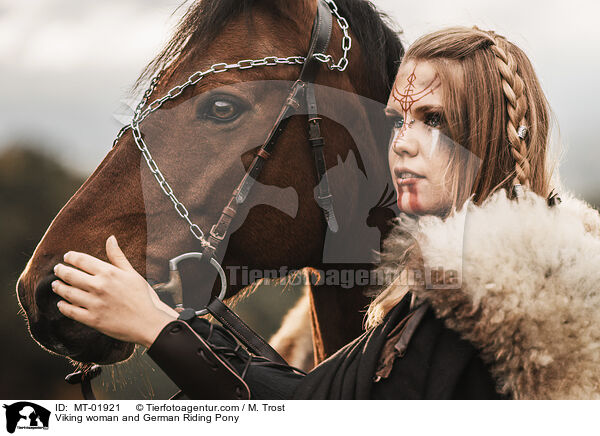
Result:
pixel 517 106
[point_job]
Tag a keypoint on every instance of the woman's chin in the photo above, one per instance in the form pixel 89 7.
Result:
pixel 419 203
pixel 410 206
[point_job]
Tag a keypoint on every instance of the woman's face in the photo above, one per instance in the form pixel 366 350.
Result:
pixel 418 152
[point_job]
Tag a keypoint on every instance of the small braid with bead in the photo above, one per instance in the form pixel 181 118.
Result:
pixel 517 107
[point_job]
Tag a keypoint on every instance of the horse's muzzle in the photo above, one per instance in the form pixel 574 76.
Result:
pixel 64 336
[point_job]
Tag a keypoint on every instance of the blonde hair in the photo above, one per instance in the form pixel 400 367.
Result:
pixel 489 90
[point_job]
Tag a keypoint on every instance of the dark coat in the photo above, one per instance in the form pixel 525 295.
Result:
pixel 528 317
pixel 437 364
pixel 523 291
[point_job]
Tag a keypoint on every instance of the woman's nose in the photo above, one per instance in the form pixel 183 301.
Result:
pixel 405 142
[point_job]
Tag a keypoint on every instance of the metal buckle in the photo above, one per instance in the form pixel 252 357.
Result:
pixel 213 232
pixel 173 267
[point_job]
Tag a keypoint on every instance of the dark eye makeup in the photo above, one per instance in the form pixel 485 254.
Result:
pixel 434 119
pixel 431 118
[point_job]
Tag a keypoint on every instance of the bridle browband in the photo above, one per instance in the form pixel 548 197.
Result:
pixel 303 88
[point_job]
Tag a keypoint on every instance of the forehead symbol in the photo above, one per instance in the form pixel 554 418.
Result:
pixel 408 96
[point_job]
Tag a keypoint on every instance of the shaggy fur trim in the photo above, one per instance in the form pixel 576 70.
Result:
pixel 528 290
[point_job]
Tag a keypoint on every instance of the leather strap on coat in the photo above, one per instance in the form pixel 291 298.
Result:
pixel 255 343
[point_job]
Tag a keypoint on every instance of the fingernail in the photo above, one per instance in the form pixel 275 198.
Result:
pixel 56 267
pixel 112 239
pixel 54 284
pixel 65 255
pixel 58 303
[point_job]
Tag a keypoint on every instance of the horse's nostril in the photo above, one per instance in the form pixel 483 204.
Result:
pixel 46 299
pixel 67 337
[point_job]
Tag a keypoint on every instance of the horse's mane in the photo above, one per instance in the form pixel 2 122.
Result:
pixel 380 44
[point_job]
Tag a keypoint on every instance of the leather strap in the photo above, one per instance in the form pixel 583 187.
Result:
pixel 84 377
pixel 322 28
pixel 317 142
pixel 193 366
pixel 243 332
pixel 320 36
pixel 397 341
pixel 410 328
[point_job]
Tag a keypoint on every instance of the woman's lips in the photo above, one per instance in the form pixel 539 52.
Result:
pixel 408 181
pixel 405 176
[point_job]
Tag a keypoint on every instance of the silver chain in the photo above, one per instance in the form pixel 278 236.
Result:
pixel 346 41
pixel 139 107
pixel 141 114
pixel 176 91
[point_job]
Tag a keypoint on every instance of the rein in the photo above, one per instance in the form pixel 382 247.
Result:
pixel 301 91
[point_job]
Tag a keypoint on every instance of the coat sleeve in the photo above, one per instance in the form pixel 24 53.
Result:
pixel 206 362
pixel 191 362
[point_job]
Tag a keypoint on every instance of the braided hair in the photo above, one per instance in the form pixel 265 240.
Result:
pixel 514 91
pixel 494 107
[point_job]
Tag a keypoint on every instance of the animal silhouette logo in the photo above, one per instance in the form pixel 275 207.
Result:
pixel 26 415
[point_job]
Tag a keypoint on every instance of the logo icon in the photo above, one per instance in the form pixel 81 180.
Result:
pixel 26 415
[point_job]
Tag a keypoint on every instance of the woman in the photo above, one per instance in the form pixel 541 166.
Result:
pixel 494 299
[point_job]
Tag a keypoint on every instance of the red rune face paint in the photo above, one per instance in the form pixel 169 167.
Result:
pixel 408 199
pixel 409 96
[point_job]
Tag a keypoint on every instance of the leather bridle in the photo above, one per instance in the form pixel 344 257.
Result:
pixel 302 91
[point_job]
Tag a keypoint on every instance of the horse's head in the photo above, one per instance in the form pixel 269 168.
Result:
pixel 203 141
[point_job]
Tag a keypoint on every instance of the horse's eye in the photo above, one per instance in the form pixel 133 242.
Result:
pixel 222 110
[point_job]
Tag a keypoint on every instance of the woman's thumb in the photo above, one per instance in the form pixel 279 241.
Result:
pixel 115 255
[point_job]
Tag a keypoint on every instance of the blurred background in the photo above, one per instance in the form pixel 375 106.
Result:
pixel 66 68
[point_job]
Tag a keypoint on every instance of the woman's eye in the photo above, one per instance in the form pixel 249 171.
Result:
pixel 398 123
pixel 434 120
pixel 221 110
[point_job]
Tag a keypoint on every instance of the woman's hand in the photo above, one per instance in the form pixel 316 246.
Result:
pixel 110 297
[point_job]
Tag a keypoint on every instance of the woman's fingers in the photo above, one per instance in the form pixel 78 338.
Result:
pixel 74 277
pixel 115 255
pixel 85 262
pixel 95 266
pixel 73 295
pixel 74 312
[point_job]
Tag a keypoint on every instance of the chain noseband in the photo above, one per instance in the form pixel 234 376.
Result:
pixel 142 112
pixel 303 86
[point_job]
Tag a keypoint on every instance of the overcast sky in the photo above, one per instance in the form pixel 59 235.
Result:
pixel 66 64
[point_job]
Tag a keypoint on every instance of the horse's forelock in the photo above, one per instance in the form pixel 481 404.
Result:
pixel 201 23
pixel 380 44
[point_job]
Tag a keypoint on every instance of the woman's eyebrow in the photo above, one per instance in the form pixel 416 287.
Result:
pixel 427 108
pixel 391 112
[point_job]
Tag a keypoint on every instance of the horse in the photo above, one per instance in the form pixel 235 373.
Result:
pixel 200 148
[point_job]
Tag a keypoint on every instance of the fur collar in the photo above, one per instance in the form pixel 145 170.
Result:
pixel 526 291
